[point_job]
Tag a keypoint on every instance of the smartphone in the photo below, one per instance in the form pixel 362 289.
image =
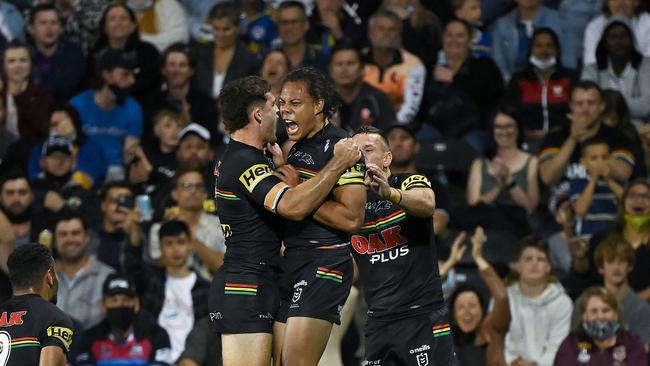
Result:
pixel 125 201
pixel 143 202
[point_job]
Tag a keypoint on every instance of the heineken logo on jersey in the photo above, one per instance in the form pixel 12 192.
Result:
pixel 252 176
pixel 61 333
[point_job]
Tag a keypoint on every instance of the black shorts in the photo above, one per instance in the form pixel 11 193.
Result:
pixel 243 300
pixel 320 284
pixel 419 340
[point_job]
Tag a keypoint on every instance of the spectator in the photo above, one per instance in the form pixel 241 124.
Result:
pixel 599 339
pixel 197 12
pixel 119 31
pixel 470 11
pixel 108 114
pixel 541 90
pixel 161 22
pixel 620 66
pixel 559 243
pixel 330 24
pixel 362 104
pixel 80 273
pixel 577 14
pixel 292 29
pixel 81 20
pixel 259 29
pixel 595 198
pixel 58 64
pixel 127 336
pixel 17 203
pixel 176 295
pixel 207 239
pixel 633 11
pixel 13 23
pixel 178 94
pixel 503 188
pixel 540 310
pixel 225 59
pixel 478 333
pixel 6 137
pixel 166 126
pixel 202 346
pixel 275 67
pixel 421 28
pixel 90 162
pixel 463 91
pixel 512 35
pixel 392 69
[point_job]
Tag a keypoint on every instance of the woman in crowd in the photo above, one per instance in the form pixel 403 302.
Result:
pixel 540 310
pixel 541 91
pixel 275 67
pixel 161 22
pixel 599 338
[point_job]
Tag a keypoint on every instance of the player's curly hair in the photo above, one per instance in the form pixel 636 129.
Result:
pixel 236 99
pixel 27 265
pixel 319 88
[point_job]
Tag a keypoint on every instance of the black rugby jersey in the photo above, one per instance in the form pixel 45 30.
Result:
pixel 309 156
pixel 398 267
pixel 244 179
pixel 29 323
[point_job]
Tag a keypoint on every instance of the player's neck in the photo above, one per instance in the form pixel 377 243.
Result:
pixel 248 137
pixel 27 291
pixel 406 168
pixel 319 126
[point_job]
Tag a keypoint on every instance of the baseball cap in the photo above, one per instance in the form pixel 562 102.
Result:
pixel 57 143
pixel 118 283
pixel 112 59
pixel 196 129
pixel 407 128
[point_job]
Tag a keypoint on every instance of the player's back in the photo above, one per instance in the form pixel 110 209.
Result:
pixel 27 324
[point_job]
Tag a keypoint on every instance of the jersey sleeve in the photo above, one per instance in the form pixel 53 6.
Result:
pixel 414 181
pixel 58 331
pixel 260 184
pixel 353 175
pixel 551 146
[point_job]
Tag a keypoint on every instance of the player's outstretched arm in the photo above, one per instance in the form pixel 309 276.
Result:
pixel 52 356
pixel 346 211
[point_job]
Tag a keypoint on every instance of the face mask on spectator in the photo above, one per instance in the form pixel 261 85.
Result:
pixel 542 64
pixel 120 318
pixel 120 93
pixel 637 223
pixel 601 330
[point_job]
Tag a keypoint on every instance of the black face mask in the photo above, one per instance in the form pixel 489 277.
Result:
pixel 21 217
pixel 120 318
pixel 120 93
pixel 58 181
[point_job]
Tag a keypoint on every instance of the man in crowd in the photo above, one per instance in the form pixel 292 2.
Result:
pixel 292 29
pixel 17 203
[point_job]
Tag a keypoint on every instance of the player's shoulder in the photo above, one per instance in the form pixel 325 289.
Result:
pixel 406 181
pixel 335 132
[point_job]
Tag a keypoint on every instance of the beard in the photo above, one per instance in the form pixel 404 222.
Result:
pixel 19 217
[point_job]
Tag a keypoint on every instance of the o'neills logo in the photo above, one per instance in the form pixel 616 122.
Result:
pixel 377 243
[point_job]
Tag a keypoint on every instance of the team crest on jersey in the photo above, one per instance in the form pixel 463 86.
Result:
pixel 252 176
pixel 422 359
pixel 296 294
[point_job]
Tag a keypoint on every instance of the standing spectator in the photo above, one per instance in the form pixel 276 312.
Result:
pixel 464 90
pixel 470 11
pixel 362 104
pixel 541 90
pixel 512 35
pixel 540 310
pixel 119 31
pixel 12 23
pixel 620 66
pixel 275 67
pixel 225 59
pixel 80 273
pixel 108 114
pixel 292 29
pixel 161 22
pixel 392 69
pixel 259 29
pixel 599 338
pixel 633 11
pixel 127 336
pixel 58 64
pixel 577 15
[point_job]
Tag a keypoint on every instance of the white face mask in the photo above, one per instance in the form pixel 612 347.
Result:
pixel 542 64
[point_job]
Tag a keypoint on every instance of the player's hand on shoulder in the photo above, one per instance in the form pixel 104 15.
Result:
pixel 348 151
pixel 288 174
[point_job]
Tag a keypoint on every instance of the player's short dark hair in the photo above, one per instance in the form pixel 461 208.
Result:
pixel 371 130
pixel 173 228
pixel 226 9
pixel 27 265
pixel 319 88
pixel 33 12
pixel 68 214
pixel 115 184
pixel 238 97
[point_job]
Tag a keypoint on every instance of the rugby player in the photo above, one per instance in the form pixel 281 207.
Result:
pixel 33 331
pixel 318 265
pixel 244 295
pixel 397 265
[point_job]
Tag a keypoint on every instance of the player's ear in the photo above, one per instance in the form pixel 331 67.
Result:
pixel 319 105
pixel 388 158
pixel 256 114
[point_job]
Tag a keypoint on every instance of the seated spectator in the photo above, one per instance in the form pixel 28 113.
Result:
pixel 55 188
pixel 58 64
pixel 541 90
pixel 540 310
pixel 81 20
pixel 633 11
pixel 275 66
pixel 108 114
pixel 176 295
pixel 161 22
pixel 331 23
pixel 463 91
pixel 620 66
pixel 293 25
pixel 503 188
pixel 202 346
pixel 180 95
pixel 128 335
pixel 80 273
pixel 166 126
pixel 17 204
pixel 90 162
pixel 207 239
pixel 361 104
pixel 470 11
pixel 595 198
pixel 599 338
pixel 479 333
pixel 512 34
pixel 119 31
pixel 259 29
pixel 225 59
pixel 390 68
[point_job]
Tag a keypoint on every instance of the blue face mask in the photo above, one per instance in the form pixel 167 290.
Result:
pixel 601 330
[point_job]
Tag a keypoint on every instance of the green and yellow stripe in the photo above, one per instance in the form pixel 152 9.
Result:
pixel 220 193
pixel 306 173
pixel 25 342
pixel 381 223
pixel 240 289
pixel 329 274
pixel 441 330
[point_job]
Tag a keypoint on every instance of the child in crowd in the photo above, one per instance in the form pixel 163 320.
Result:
pixel 166 126
pixel 470 11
